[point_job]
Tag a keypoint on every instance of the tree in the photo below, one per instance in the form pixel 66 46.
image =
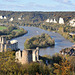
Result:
pixel 63 68
pixel 72 61
pixel 7 62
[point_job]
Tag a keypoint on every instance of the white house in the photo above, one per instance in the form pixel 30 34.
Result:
pixel 51 21
pixel 55 21
pixel 5 17
pixel 1 17
pixel 47 20
pixel 72 22
pixel 11 19
pixel 61 20
pixel 19 18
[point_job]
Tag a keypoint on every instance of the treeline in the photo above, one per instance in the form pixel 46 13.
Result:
pixel 34 17
pixel 42 41
pixel 57 65
pixel 13 32
pixel 8 30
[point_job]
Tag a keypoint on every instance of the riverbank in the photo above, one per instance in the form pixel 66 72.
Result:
pixel 16 34
pixel 60 42
pixel 61 29
pixel 12 31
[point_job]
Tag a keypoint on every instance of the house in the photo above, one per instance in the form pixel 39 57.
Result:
pixel 19 18
pixel 1 17
pixel 51 20
pixel 68 51
pixel 72 22
pixel 47 20
pixel 5 17
pixel 61 20
pixel 72 34
pixel 11 19
pixel 57 20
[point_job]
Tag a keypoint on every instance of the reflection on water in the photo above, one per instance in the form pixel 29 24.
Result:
pixel 60 42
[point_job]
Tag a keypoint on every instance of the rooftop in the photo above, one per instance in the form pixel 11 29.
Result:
pixel 13 41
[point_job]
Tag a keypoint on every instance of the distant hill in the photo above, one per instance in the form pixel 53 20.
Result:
pixel 34 17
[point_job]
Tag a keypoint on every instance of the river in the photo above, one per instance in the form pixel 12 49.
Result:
pixel 60 41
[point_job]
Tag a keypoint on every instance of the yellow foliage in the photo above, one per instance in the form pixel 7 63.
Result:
pixel 63 68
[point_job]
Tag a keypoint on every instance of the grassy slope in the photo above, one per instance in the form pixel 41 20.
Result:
pixel 17 30
pixel 2 27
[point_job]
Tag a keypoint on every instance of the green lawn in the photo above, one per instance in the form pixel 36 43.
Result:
pixel 17 30
pixel 2 27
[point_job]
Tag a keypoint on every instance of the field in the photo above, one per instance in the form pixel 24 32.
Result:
pixel 17 30
pixel 2 27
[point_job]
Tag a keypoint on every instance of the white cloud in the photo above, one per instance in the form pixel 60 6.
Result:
pixel 9 0
pixel 68 2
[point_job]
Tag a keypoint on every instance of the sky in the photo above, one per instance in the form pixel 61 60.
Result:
pixel 37 5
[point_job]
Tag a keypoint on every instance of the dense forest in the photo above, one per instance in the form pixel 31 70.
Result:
pixel 57 65
pixel 41 41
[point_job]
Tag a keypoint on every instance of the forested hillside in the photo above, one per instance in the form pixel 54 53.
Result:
pixel 33 17
pixel 38 19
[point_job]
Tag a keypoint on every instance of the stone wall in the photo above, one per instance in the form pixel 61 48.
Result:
pixel 27 56
pixel 5 45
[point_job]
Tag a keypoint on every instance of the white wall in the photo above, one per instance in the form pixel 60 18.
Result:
pixel 47 20
pixel 11 19
pixel 61 20
pixel 72 22
pixel 1 17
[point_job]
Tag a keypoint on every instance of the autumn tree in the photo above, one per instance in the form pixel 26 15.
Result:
pixel 63 68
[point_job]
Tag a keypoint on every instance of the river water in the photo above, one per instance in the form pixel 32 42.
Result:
pixel 60 42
